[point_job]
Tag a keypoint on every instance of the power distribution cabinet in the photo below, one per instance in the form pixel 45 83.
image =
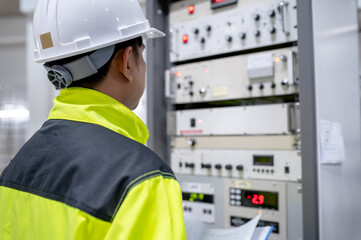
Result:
pixel 234 124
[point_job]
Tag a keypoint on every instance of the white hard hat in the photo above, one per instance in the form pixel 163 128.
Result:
pixel 65 28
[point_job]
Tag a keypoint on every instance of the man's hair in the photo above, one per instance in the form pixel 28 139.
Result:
pixel 95 79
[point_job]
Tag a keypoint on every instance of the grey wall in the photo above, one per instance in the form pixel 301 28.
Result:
pixel 337 94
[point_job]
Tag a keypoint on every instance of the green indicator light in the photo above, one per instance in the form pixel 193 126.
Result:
pixel 201 196
pixel 191 199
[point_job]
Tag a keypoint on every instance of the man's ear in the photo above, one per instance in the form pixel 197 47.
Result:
pixel 124 62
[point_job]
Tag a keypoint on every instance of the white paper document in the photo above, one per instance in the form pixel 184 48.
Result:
pixel 197 230
pixel 331 143
pixel 262 233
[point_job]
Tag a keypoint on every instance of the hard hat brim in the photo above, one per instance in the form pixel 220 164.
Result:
pixel 149 33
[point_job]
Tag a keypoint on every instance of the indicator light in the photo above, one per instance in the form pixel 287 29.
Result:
pixel 260 211
pixel 179 74
pixel 206 70
pixel 185 38
pixel 191 9
pixel 277 59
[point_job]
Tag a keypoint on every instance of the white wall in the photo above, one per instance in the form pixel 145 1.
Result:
pixel 12 84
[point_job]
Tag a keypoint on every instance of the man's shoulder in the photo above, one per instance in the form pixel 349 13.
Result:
pixel 88 166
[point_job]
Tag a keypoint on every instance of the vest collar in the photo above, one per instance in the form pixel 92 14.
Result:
pixel 90 106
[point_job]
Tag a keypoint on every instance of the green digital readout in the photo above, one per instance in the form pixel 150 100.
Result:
pixel 197 197
pixel 263 160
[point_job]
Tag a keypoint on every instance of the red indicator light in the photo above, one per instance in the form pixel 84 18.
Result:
pixel 179 74
pixel 191 9
pixel 206 69
pixel 219 1
pixel 249 196
pixel 185 38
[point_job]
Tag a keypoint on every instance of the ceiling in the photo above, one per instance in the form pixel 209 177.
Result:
pixel 9 7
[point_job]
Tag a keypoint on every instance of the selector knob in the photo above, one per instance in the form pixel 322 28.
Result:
pixel 273 85
pixel 250 87
pixel 229 38
pixel 202 91
pixel 283 58
pixel 207 166
pixel 190 83
pixel 271 13
pixel 189 165
pixel 191 93
pixel 256 16
pixel 192 142
pixel 196 31
pixel 272 29
pixel 218 166
pixel 285 82
pixel 256 33
pixel 208 28
pixel 202 40
pixel 229 167
pixel 261 86
pixel 240 167
pixel 243 35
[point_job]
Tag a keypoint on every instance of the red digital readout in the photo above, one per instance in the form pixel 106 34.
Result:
pixel 218 1
pixel 256 199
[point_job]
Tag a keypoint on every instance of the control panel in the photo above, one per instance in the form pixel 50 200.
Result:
pixel 272 119
pixel 198 199
pixel 248 27
pixel 246 164
pixel 280 142
pixel 279 202
pixel 269 73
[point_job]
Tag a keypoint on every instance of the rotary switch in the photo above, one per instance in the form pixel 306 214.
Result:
pixel 189 165
pixel 206 166
pixel 272 29
pixel 203 91
pixel 229 38
pixel 240 167
pixel 242 35
pixel 192 142
pixel 256 16
pixel 229 167
pixel 271 13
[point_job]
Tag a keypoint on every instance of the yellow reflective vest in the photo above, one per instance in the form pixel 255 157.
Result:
pixel 86 174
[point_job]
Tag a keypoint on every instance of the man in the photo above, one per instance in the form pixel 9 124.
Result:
pixel 86 173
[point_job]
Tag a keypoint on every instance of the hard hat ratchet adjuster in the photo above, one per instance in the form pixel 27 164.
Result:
pixel 62 76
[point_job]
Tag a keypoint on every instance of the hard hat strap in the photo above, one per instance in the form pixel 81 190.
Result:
pixel 80 68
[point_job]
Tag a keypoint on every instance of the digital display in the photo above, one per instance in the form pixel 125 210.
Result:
pixel 259 199
pixel 197 197
pixel 221 3
pixel 263 160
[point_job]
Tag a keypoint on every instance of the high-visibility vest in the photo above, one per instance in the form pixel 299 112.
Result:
pixel 87 175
